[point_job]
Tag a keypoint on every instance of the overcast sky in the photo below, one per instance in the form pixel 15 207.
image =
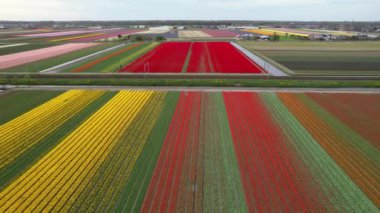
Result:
pixel 298 10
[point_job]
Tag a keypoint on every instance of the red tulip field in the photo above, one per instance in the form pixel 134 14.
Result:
pixel 194 57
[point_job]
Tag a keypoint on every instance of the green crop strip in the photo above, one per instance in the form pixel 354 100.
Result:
pixel 31 156
pixel 134 190
pixel 107 184
pixel 223 190
pixel 16 103
pixel 344 195
pixel 187 60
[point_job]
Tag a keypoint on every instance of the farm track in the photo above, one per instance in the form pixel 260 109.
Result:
pixel 361 166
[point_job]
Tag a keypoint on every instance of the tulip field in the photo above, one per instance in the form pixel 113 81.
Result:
pixel 194 57
pixel 112 61
pixel 196 151
pixel 48 57
pixel 271 32
pixel 206 33
pixel 15 59
pixel 20 47
pixel 192 34
pixel 220 33
pixel 138 57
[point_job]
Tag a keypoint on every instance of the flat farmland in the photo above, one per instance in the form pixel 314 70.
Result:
pixel 39 64
pixel 113 60
pixel 167 57
pixel 166 151
pixel 192 34
pixel 321 58
pixel 194 57
pixel 10 48
pixel 21 58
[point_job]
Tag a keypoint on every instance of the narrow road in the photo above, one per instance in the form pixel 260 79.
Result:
pixel 261 62
pixel 199 89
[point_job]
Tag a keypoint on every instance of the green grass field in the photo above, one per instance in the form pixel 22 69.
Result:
pixel 322 58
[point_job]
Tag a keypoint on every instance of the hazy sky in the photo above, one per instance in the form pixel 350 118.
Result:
pixel 303 10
